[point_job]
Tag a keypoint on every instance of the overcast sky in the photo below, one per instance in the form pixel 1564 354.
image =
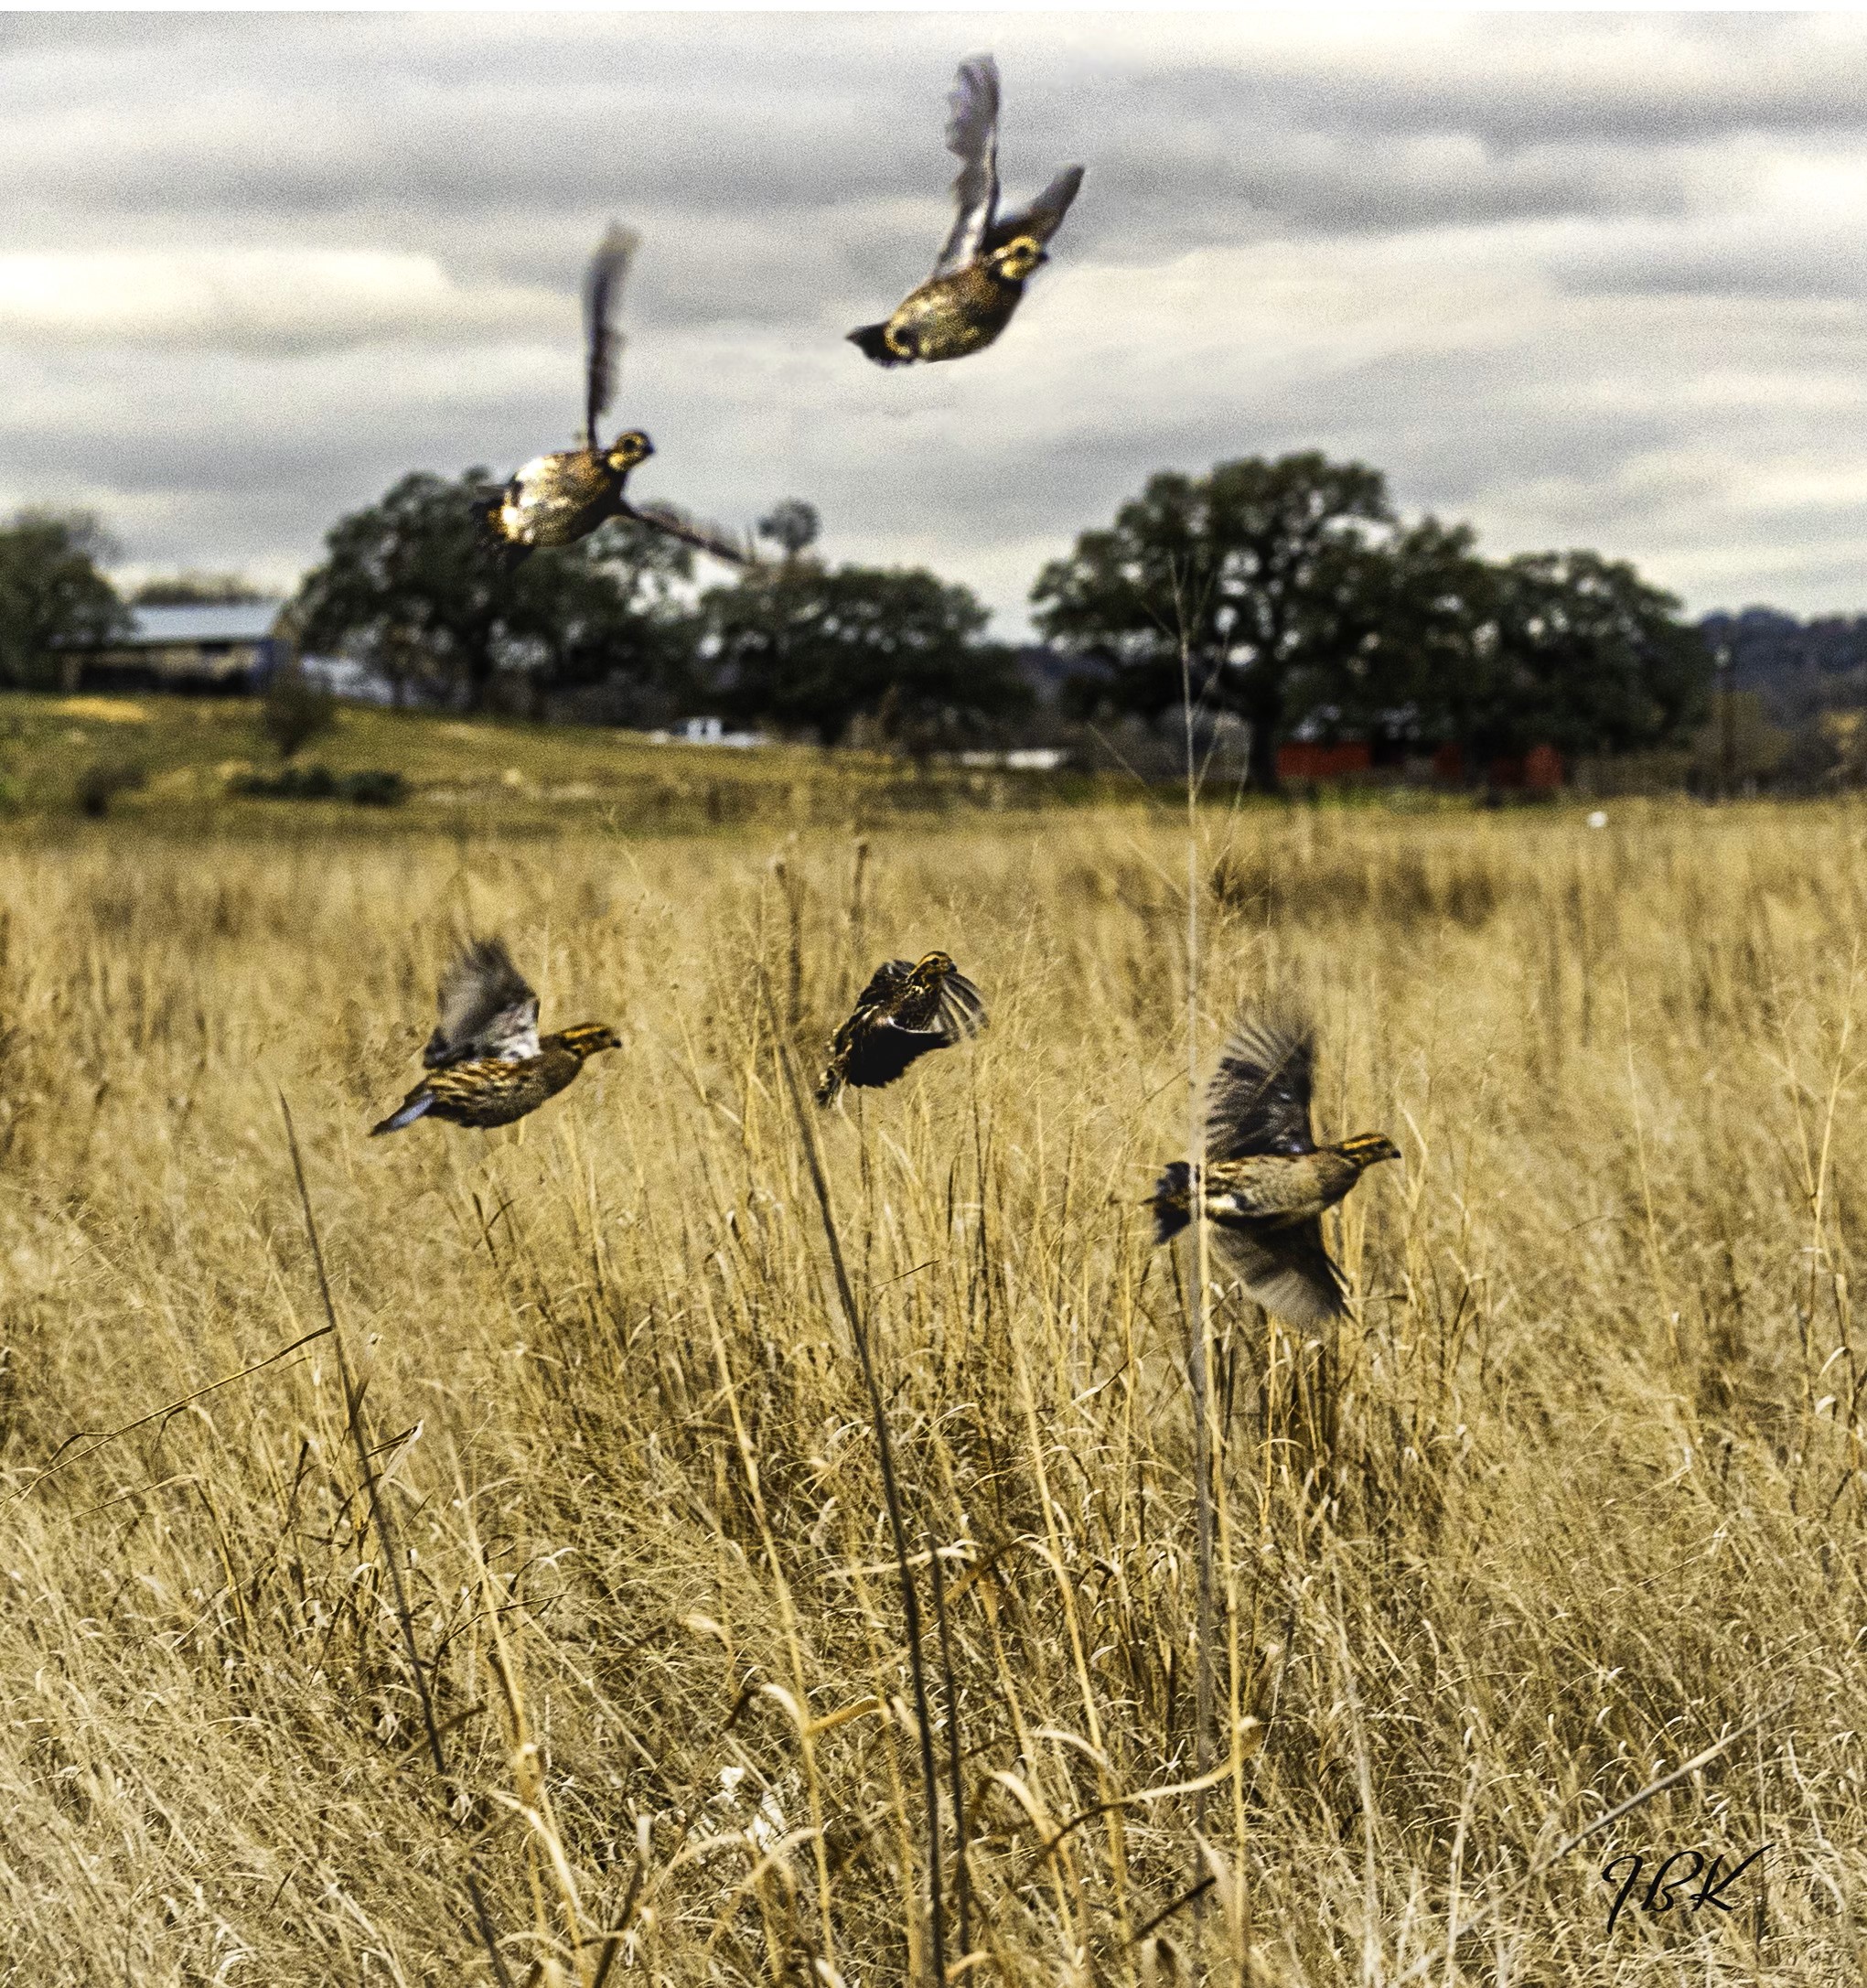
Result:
pixel 1580 279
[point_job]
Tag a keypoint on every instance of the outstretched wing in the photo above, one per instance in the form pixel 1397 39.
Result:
pixel 603 341
pixel 1043 218
pixel 962 1008
pixel 972 138
pixel 730 546
pixel 487 1009
pixel 1259 1098
pixel 1290 1274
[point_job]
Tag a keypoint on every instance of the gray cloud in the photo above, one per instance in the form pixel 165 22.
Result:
pixel 1584 278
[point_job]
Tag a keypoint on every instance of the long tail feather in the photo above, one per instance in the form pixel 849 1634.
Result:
pixel 406 1113
pixel 1172 1196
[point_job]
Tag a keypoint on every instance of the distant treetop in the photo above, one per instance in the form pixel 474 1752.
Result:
pixel 197 590
pixel 792 526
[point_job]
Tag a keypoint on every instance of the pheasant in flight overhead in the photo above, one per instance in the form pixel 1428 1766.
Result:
pixel 980 275
pixel 906 1009
pixel 1267 1181
pixel 558 499
pixel 488 1064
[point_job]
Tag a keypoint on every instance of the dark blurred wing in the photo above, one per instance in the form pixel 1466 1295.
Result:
pixel 972 138
pixel 1259 1098
pixel 487 1009
pixel 706 538
pixel 1289 1273
pixel 962 1008
pixel 882 1051
pixel 603 341
pixel 1045 215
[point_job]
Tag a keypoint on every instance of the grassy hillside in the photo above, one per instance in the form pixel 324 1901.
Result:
pixel 463 774
pixel 1574 1492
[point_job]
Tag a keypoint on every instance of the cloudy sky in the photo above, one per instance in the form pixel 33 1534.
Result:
pixel 1580 279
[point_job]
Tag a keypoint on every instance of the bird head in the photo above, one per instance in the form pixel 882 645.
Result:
pixel 1366 1148
pixel 627 450
pixel 1018 258
pixel 588 1038
pixel 932 968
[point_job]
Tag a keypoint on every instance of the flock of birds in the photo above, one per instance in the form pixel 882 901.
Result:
pixel 1264 1183
pixel 976 284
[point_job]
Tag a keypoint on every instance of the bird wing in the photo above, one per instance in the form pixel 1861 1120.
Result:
pixel 706 538
pixel 487 1009
pixel 881 1052
pixel 972 138
pixel 962 1008
pixel 1259 1098
pixel 885 983
pixel 1289 1273
pixel 1043 218
pixel 603 341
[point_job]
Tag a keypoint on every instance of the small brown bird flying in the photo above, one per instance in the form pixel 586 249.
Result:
pixel 979 277
pixel 558 499
pixel 907 1008
pixel 487 1063
pixel 1267 1181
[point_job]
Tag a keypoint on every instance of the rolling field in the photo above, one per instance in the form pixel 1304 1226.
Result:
pixel 462 775
pixel 1574 1494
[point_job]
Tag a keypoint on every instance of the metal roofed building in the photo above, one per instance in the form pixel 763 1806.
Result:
pixel 218 646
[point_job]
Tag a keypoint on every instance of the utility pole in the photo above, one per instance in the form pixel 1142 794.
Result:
pixel 1727 719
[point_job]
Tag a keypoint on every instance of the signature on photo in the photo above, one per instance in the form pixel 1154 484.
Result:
pixel 1666 1886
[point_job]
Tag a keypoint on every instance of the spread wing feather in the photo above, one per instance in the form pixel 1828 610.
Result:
pixel 1259 1098
pixel 972 138
pixel 1043 218
pixel 602 290
pixel 706 538
pixel 1291 1276
pixel 962 1009
pixel 487 1009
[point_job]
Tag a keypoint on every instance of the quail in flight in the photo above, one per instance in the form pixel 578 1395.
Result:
pixel 980 275
pixel 1267 1181
pixel 558 499
pixel 906 1009
pixel 487 1063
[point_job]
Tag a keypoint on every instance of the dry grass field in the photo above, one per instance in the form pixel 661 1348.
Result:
pixel 1575 1493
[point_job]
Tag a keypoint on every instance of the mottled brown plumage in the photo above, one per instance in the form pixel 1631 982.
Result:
pixel 979 277
pixel 558 499
pixel 487 1063
pixel 1267 1182
pixel 907 1008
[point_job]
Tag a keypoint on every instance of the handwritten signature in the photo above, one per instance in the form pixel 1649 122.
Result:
pixel 1664 1889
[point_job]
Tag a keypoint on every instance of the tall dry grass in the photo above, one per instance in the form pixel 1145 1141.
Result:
pixel 1575 1493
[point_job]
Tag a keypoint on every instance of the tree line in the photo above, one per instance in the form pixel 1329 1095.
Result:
pixel 1286 592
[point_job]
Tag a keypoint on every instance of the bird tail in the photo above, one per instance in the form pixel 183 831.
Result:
pixel 1172 1197
pixel 406 1113
pixel 873 341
